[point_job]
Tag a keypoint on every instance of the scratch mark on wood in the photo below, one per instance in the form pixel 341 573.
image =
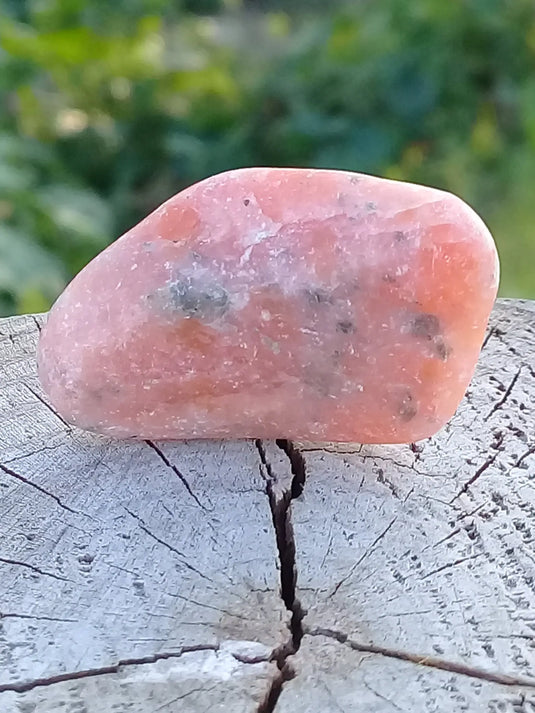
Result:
pixel 201 689
pixel 381 697
pixel 396 615
pixel 362 557
pixel 329 545
pixel 207 606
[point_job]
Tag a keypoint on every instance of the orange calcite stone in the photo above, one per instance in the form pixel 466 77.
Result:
pixel 291 303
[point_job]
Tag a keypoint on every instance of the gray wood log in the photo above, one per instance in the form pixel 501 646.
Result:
pixel 288 577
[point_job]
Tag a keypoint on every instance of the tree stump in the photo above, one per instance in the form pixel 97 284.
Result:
pixel 270 576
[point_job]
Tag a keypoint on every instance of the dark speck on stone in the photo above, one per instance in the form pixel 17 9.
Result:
pixel 318 296
pixel 407 408
pixel 389 278
pixel 399 235
pixel 442 349
pixel 319 381
pixel 345 326
pixel 246 201
pixel 425 325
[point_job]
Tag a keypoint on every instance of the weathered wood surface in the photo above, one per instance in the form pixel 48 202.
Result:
pixel 235 576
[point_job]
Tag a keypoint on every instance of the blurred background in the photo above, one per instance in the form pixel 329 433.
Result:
pixel 107 108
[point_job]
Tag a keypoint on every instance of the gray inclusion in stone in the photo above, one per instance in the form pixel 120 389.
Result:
pixel 427 326
pixel 198 298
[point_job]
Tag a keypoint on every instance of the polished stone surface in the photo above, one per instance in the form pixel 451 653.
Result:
pixel 291 303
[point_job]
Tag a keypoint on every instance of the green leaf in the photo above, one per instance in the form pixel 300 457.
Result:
pixel 80 212
pixel 25 267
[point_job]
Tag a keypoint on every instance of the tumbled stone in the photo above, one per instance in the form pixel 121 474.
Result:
pixel 291 303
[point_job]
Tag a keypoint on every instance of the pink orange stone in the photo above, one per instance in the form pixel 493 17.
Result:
pixel 277 303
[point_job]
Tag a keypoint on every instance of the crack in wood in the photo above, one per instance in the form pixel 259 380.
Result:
pixel 176 471
pixel 472 512
pixel 284 674
pixel 37 570
pixel 48 407
pixel 282 523
pixel 297 466
pixel 423 660
pixel 488 337
pixel 443 539
pixel 171 548
pixel 43 491
pixel 7 337
pixel 506 395
pixel 104 670
pixel 449 565
pixel 375 457
pixel 479 472
pixel 281 516
pixel 35 617
pixel 36 322
pixel 346 451
pixel 524 455
pixel 32 453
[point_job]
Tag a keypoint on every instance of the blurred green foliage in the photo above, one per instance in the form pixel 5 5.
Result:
pixel 108 108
